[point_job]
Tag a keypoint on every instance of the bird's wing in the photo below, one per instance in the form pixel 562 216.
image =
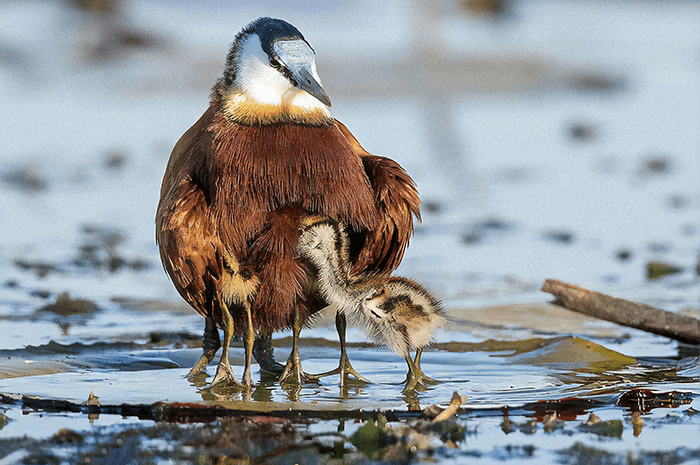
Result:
pixel 189 250
pixel 396 196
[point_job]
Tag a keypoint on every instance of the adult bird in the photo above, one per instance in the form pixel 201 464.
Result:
pixel 265 156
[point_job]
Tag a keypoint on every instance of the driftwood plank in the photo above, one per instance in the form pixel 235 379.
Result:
pixel 175 412
pixel 645 317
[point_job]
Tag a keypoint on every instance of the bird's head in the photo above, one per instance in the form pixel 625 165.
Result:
pixel 374 304
pixel 271 77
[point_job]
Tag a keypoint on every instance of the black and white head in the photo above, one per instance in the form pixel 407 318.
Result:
pixel 271 65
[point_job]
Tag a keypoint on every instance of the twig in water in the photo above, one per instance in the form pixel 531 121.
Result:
pixel 647 318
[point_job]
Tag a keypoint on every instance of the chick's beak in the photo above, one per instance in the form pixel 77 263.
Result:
pixel 299 59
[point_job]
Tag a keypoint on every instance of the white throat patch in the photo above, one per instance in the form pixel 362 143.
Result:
pixel 258 81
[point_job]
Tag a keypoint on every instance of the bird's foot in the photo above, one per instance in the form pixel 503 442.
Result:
pixel 247 378
pixel 293 374
pixel 264 355
pixel 224 374
pixel 426 380
pixel 199 368
pixel 415 378
pixel 419 381
pixel 210 345
pixel 345 370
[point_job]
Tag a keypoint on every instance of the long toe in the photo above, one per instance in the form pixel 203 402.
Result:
pixel 426 380
pixel 351 371
pixel 199 368
pixel 345 370
pixel 293 374
pixel 224 374
pixel 419 382
pixel 423 379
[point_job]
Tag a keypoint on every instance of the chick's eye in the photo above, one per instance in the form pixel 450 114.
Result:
pixel 379 293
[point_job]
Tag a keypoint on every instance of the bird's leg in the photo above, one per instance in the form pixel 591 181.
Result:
pixel 415 376
pixel 224 373
pixel 210 344
pixel 264 355
pixel 425 379
pixel 248 341
pixel 412 377
pixel 293 374
pixel 344 367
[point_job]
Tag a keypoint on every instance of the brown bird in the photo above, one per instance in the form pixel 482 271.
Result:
pixel 265 155
pixel 396 312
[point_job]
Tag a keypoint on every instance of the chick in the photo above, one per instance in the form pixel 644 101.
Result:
pixel 402 315
pixel 395 312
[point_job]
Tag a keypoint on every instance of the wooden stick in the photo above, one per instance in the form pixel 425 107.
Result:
pixel 647 318
pixel 451 409
pixel 194 412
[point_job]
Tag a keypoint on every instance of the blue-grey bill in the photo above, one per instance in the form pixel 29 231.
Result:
pixel 299 59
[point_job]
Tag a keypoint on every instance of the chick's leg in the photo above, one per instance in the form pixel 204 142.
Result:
pixel 415 376
pixel 344 369
pixel 425 379
pixel 293 374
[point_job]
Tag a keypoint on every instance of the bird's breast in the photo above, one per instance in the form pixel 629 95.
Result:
pixel 263 168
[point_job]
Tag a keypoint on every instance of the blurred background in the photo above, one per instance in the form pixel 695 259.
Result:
pixel 548 139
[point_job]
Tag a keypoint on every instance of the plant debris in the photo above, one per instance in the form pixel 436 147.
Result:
pixel 66 306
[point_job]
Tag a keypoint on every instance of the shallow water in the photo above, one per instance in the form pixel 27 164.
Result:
pixel 548 142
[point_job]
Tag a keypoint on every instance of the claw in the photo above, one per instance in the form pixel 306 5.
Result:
pixel 199 368
pixel 345 369
pixel 415 378
pixel 224 374
pixel 210 345
pixel 293 374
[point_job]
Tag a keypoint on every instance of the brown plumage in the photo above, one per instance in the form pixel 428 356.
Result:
pixel 240 191
pixel 233 197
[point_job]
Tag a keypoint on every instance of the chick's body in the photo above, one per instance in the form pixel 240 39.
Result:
pixel 396 311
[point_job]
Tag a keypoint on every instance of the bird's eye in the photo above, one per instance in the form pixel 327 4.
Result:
pixel 378 293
